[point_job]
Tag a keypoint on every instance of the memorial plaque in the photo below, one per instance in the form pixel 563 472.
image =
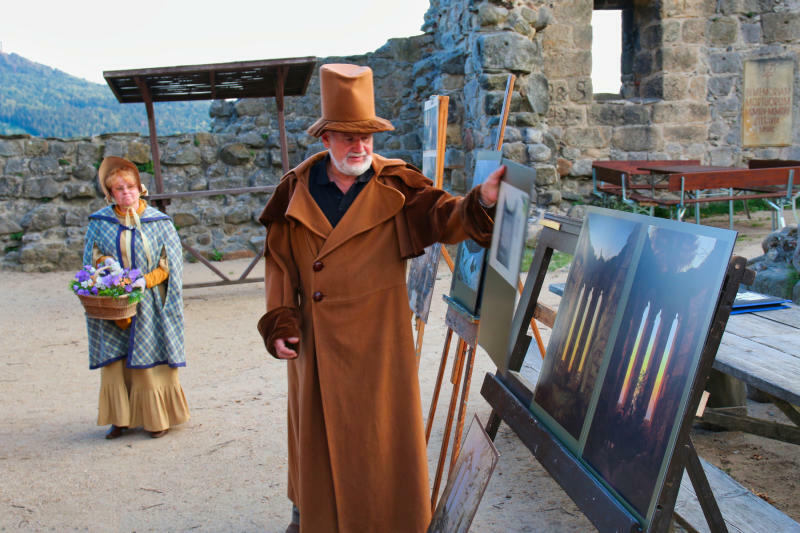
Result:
pixel 767 106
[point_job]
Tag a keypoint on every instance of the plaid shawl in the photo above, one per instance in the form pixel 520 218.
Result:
pixel 155 336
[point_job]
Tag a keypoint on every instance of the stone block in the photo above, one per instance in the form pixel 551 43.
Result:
pixel 516 151
pixel 722 31
pixel 237 214
pixel 41 166
pixel 10 186
pixel 670 32
pixel 675 87
pixel 36 147
pixel 41 217
pixel 693 31
pixel 546 175
pixel 633 138
pixel 780 27
pixel 538 152
pixel 11 148
pixel 8 225
pixel 532 135
pixel 139 152
pixel 751 33
pixel 221 109
pixel 721 85
pixel 250 107
pixel 40 188
pixel 89 154
pixel 79 190
pixel 507 51
pixel 679 58
pixel 778 280
pixel 548 197
pixel 725 63
pixel 686 133
pixel 722 156
pixel 596 137
pixel 537 91
pixel 490 14
pixel 237 154
pixel 614 114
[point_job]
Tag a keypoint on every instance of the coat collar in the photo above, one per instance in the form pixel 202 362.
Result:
pixel 375 204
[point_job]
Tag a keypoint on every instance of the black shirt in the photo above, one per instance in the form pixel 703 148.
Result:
pixel 330 199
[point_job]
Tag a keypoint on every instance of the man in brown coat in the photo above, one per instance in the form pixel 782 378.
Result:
pixel 340 227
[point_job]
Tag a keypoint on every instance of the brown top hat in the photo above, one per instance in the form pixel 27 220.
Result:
pixel 348 101
pixel 112 164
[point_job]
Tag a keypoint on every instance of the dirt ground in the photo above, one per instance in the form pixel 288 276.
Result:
pixel 225 469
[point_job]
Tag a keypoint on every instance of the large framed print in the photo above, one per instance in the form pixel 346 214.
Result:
pixel 626 345
pixel 468 269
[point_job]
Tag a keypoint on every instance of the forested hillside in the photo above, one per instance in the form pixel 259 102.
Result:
pixel 46 102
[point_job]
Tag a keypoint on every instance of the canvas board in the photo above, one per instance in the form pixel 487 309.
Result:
pixel 468 270
pixel 467 482
pixel 499 296
pixel 430 137
pixel 421 280
pixel 626 345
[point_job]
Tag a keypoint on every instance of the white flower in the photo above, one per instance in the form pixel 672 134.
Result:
pixel 139 284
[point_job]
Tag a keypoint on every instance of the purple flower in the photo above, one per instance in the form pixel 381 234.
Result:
pixel 94 290
pixel 83 292
pixel 134 273
pixel 128 288
pixel 82 275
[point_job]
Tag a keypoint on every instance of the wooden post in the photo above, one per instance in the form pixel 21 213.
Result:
pixel 280 83
pixel 151 126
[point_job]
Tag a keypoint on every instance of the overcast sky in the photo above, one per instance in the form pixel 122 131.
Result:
pixel 86 37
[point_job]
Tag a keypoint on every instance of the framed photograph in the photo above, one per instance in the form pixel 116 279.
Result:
pixel 508 239
pixel 421 279
pixel 626 346
pixel 469 266
pixel 467 482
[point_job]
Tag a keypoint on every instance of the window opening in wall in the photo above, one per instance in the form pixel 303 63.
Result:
pixel 607 51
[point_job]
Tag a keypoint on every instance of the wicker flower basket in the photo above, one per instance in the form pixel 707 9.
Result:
pixel 108 307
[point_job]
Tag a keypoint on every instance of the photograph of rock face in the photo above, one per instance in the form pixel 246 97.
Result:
pixel 600 266
pixel 465 286
pixel 626 345
pixel 421 278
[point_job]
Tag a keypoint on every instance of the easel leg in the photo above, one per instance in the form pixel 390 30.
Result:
pixel 703 490
pixel 493 424
pixel 460 350
pixel 420 334
pixel 462 408
pixel 438 386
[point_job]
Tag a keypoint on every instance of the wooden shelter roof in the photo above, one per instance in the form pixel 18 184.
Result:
pixel 241 79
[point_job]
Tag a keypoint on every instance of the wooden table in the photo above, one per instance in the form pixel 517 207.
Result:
pixel 763 350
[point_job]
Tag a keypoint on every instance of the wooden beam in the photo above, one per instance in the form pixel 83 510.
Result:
pixel 151 126
pixel 280 83
pixel 756 426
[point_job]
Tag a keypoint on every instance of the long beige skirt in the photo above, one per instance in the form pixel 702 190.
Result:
pixel 148 397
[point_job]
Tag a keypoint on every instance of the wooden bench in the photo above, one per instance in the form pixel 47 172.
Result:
pixel 742 510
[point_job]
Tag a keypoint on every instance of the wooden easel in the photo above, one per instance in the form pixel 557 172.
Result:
pixel 465 325
pixel 441 143
pixel 509 396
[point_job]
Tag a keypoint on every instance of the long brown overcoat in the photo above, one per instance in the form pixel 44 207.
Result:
pixel 357 457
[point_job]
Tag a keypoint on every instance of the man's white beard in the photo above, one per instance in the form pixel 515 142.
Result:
pixel 352 170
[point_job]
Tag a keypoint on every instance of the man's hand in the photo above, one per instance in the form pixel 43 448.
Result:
pixel 491 186
pixel 283 350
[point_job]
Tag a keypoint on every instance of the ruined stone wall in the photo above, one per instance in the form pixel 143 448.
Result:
pixel 682 73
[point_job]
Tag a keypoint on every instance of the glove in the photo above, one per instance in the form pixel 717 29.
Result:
pixel 123 323
pixel 155 276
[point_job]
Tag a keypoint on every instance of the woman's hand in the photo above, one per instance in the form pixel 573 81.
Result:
pixel 284 348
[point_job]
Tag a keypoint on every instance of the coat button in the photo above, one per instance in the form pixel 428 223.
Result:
pixel 318 296
pixel 317 266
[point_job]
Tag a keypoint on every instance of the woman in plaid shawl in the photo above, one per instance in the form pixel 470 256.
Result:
pixel 138 357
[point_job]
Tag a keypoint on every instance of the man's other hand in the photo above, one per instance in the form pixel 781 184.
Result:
pixel 490 187
pixel 284 348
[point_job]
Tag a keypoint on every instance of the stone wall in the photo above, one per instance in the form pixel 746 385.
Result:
pixel 681 82
pixel 680 98
pixel 48 187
